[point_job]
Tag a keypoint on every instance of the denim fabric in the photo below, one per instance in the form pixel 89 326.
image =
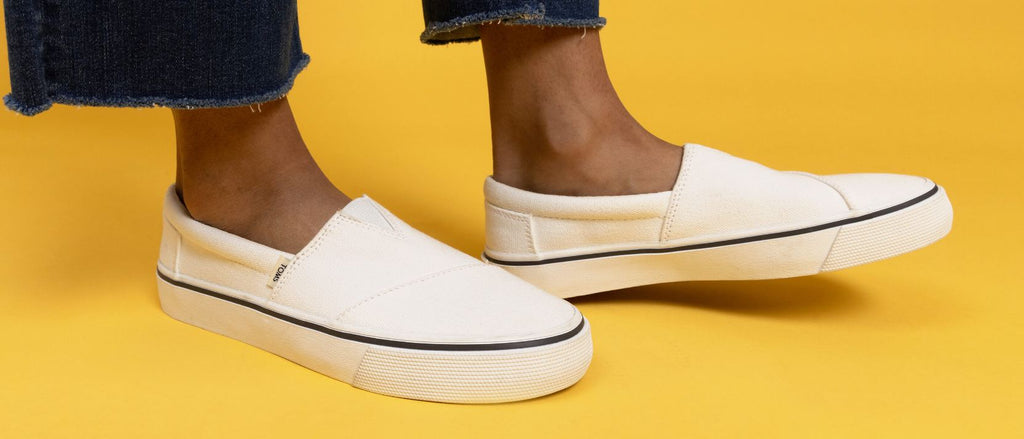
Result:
pixel 141 53
pixel 210 53
pixel 450 21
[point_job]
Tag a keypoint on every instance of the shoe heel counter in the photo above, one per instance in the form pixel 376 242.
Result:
pixel 212 258
pixel 170 247
pixel 508 232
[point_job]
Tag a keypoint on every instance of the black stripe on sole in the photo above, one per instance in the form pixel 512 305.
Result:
pixel 642 251
pixel 381 341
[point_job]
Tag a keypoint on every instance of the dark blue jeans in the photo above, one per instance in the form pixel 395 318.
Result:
pixel 200 54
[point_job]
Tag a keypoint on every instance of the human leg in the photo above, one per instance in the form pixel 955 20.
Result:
pixel 560 135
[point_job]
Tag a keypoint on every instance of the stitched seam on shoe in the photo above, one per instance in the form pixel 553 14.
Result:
pixel 518 217
pixel 684 175
pixel 818 178
pixel 389 217
pixel 383 213
pixel 407 284
pixel 302 256
pixel 597 219
pixel 529 235
pixel 372 228
pixel 177 252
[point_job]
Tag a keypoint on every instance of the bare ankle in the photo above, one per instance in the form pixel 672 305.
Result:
pixel 612 164
pixel 282 214
pixel 557 124
pixel 249 173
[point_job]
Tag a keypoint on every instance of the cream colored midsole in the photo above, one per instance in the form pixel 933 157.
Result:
pixel 445 376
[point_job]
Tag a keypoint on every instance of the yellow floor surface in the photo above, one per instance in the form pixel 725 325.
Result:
pixel 927 345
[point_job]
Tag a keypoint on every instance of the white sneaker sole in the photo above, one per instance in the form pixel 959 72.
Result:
pixel 479 373
pixel 811 250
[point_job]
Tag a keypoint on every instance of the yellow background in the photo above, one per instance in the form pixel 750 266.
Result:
pixel 924 345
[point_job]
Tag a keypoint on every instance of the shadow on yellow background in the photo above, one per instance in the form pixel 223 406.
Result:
pixel 924 345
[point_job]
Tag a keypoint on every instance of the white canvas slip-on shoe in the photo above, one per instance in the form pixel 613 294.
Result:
pixel 375 303
pixel 726 218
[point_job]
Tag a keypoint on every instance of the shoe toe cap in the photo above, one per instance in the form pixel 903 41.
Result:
pixel 878 191
pixel 475 304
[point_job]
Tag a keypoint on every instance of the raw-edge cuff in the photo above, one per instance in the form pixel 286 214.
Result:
pixel 143 102
pixel 464 29
pixel 17 106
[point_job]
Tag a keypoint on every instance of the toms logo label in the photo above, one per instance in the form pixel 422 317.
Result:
pixel 282 265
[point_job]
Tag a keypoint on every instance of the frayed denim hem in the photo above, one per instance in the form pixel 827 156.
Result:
pixel 145 102
pixel 466 29
pixel 580 23
pixel 17 106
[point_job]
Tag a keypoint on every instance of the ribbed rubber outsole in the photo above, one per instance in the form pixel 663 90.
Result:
pixel 478 377
pixel 878 236
pixel 884 237
pixel 443 376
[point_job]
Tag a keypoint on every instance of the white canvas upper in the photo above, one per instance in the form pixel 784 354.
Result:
pixel 368 274
pixel 717 198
